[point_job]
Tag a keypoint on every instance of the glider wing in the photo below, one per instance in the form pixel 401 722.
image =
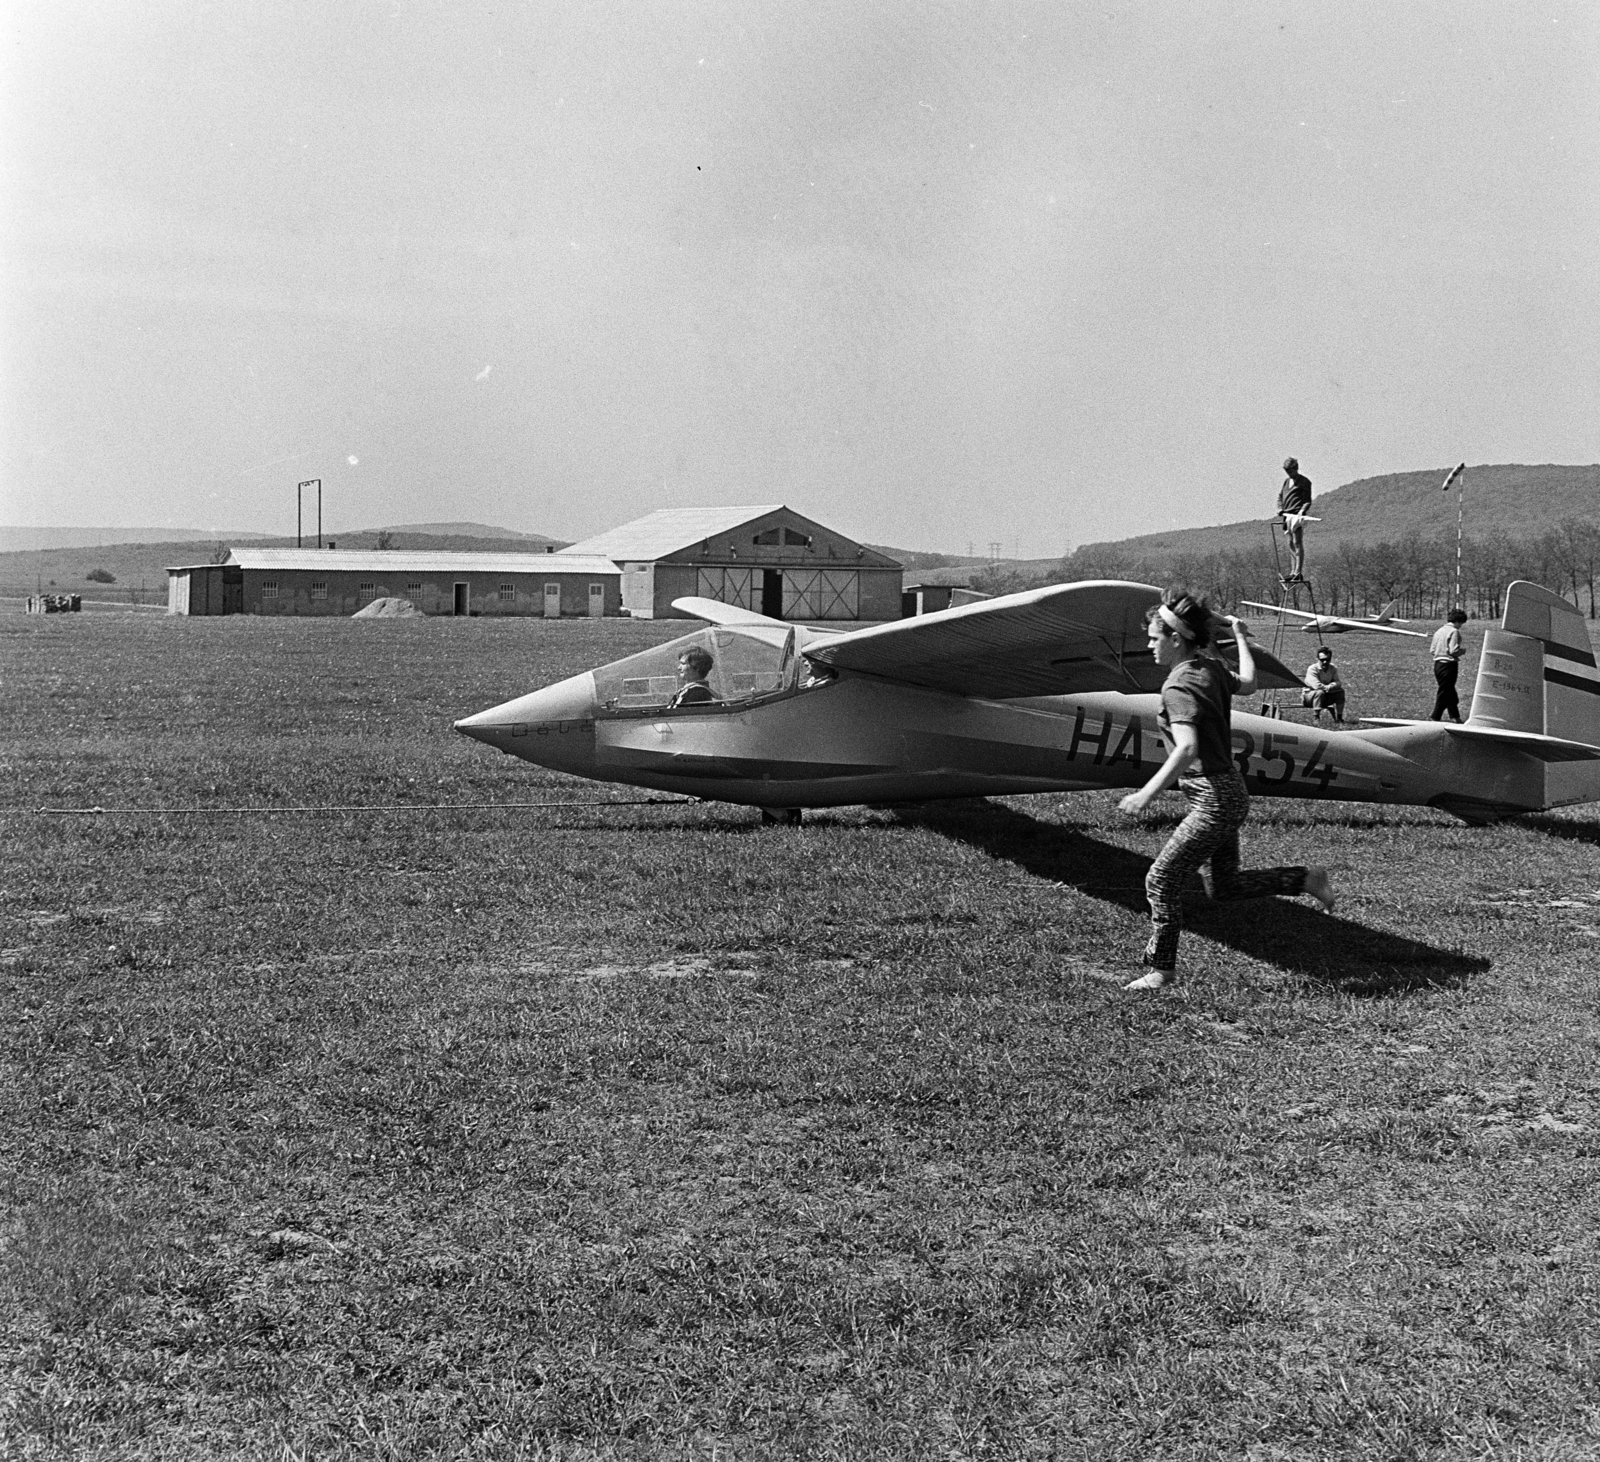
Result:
pixel 1063 640
pixel 1280 609
pixel 719 613
pixel 1334 621
pixel 1374 627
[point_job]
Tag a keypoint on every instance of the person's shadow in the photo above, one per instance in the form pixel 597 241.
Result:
pixel 1295 937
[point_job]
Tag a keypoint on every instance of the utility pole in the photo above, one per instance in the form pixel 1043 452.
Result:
pixel 315 482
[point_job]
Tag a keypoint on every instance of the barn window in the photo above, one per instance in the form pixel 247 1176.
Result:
pixel 269 588
pixel 319 589
pixel 413 588
pixel 768 539
pixel 366 593
pixel 796 540
pixel 508 593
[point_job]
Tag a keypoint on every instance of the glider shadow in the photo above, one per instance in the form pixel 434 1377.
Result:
pixel 1346 957
pixel 1557 827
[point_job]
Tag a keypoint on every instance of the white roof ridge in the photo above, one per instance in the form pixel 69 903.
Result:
pixel 381 562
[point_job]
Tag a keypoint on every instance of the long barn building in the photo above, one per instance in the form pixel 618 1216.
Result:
pixel 306 581
pixel 769 559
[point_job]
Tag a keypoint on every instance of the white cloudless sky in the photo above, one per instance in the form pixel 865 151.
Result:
pixel 936 273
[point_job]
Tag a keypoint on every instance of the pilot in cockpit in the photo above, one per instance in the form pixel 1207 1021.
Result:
pixel 694 673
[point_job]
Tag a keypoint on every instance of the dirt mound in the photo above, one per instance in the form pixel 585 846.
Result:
pixel 390 608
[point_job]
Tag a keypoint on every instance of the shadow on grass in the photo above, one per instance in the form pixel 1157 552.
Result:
pixel 1287 934
pixel 1558 827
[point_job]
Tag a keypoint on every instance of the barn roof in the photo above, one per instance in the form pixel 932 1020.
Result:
pixel 396 561
pixel 667 531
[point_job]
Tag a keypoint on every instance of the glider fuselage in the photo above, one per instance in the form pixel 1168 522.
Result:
pixel 856 739
pixel 1049 690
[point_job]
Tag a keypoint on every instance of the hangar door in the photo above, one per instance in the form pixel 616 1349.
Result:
pixel 728 586
pixel 821 593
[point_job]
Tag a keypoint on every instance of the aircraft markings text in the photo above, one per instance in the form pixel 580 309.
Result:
pixel 1129 748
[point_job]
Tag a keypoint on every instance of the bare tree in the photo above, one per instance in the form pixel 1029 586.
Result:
pixel 1485 567
pixel 1578 551
pixel 1359 578
pixel 1346 576
pixel 1099 561
pixel 1590 541
pixel 1384 572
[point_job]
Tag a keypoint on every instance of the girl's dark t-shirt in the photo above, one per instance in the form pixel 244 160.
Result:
pixel 1199 693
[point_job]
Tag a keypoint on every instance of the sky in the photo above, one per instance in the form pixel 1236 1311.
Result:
pixel 938 274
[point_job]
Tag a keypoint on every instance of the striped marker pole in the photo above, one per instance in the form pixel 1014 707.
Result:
pixel 1461 510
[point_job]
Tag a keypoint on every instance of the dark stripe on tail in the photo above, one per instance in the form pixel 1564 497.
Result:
pixel 1568 652
pixel 1572 682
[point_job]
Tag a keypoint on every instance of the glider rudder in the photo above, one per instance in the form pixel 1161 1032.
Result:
pixel 1537 674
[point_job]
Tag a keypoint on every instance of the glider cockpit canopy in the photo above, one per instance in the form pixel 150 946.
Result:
pixel 749 663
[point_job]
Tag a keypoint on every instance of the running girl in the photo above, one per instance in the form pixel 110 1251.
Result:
pixel 1196 702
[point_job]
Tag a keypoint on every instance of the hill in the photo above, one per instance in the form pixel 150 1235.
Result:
pixel 140 569
pixel 916 563
pixel 20 540
pixel 488 540
pixel 478 530
pixel 1502 502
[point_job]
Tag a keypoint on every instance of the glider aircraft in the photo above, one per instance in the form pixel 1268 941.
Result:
pixel 1383 622
pixel 1050 690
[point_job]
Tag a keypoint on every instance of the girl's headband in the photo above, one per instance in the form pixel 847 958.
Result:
pixel 1176 625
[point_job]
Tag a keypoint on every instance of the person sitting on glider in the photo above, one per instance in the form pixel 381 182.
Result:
pixel 1294 503
pixel 694 673
pixel 1324 690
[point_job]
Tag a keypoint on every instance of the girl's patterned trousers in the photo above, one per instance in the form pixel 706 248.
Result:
pixel 1218 807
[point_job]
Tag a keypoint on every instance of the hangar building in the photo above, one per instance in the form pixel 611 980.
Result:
pixel 339 582
pixel 769 559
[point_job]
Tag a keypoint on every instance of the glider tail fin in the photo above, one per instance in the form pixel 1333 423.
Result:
pixel 1537 674
pixel 1385 614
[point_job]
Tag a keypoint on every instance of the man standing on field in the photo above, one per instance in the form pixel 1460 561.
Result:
pixel 1447 651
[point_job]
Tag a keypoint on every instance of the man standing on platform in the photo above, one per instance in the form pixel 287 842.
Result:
pixel 1447 651
pixel 1294 502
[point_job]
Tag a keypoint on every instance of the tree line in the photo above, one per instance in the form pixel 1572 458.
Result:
pixel 1418 573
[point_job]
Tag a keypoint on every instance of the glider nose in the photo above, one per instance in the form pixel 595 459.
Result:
pixel 553 726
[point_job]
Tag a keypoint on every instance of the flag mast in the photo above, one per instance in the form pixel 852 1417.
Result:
pixel 1461 511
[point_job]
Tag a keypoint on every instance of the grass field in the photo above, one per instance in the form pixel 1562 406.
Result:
pixel 648 1132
